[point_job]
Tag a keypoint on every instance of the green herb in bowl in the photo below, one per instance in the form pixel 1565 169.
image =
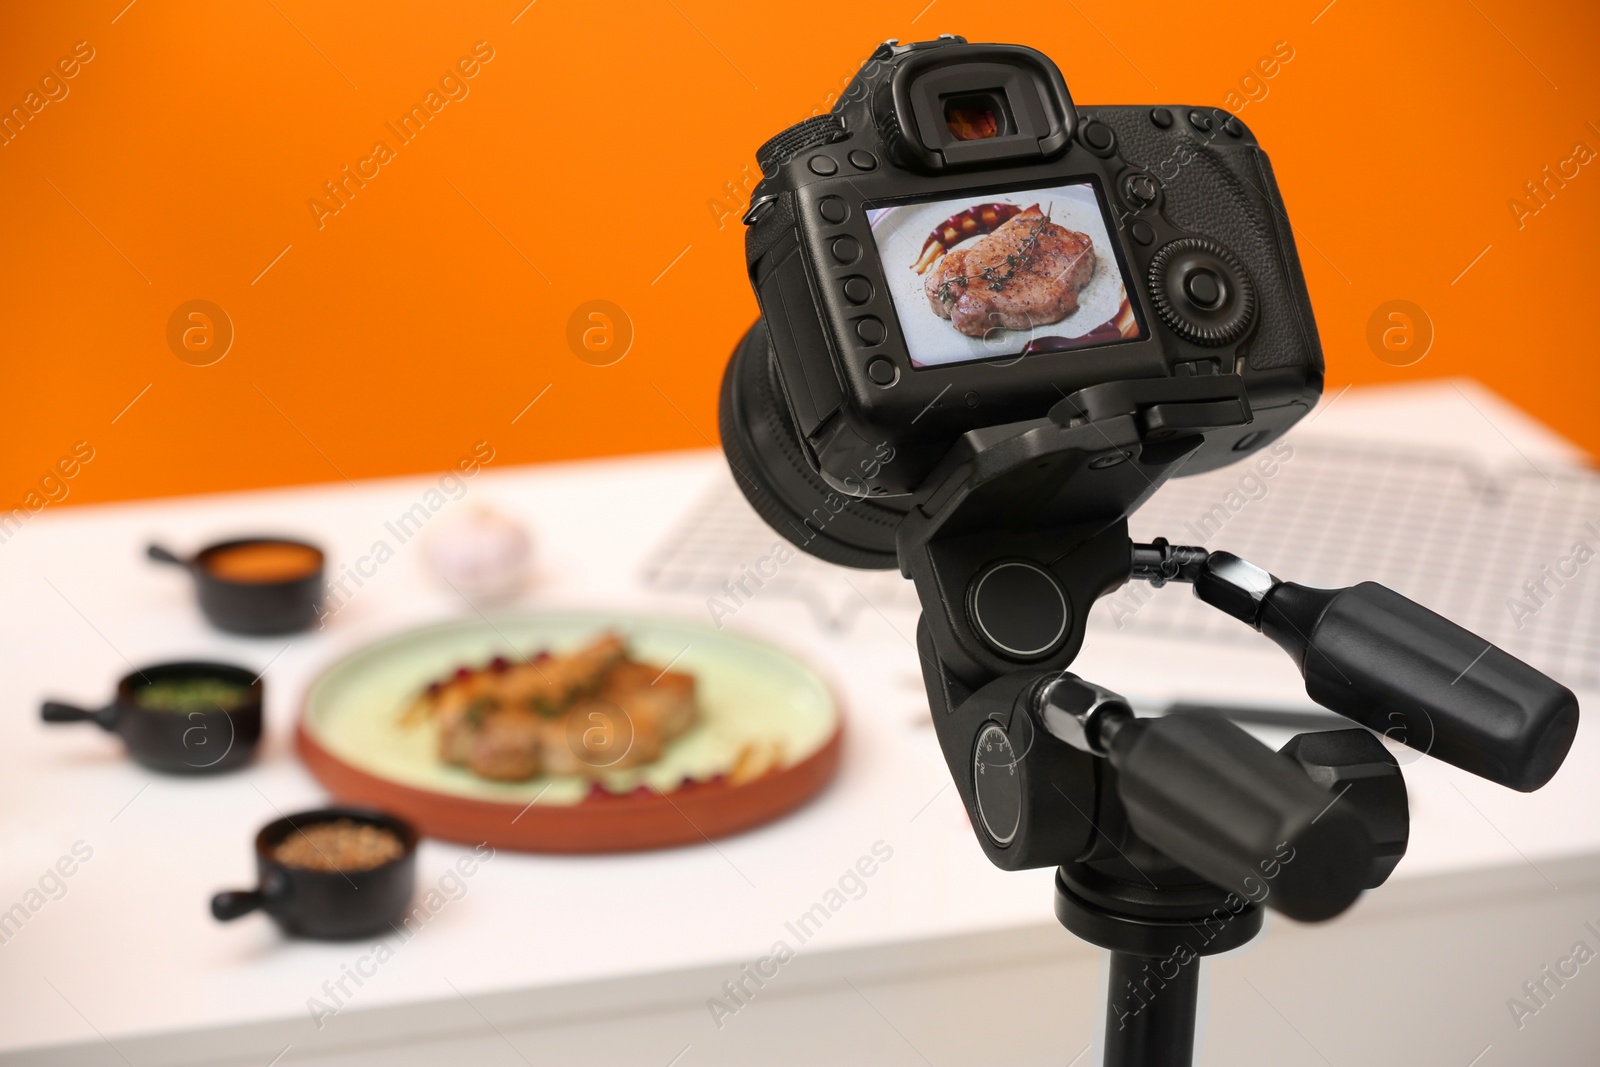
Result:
pixel 184 695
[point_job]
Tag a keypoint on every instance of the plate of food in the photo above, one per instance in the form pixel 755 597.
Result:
pixel 572 732
pixel 997 275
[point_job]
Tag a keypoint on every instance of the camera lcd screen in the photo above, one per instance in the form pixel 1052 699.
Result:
pixel 988 275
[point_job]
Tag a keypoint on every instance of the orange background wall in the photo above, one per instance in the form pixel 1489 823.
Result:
pixel 603 154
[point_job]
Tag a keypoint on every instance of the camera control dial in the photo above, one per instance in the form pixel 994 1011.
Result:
pixel 1202 291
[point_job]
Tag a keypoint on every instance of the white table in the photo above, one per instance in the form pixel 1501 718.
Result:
pixel 943 959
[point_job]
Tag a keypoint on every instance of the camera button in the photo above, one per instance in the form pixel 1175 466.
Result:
pixel 1098 137
pixel 1142 232
pixel 1161 117
pixel 1201 121
pixel 882 372
pixel 1203 288
pixel 870 330
pixel 823 165
pixel 863 160
pixel 845 249
pixel 1139 190
pixel 833 210
pixel 857 290
pixel 1234 127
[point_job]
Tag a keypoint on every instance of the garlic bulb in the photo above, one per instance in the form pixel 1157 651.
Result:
pixel 484 555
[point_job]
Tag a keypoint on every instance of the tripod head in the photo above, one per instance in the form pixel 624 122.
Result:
pixel 1029 526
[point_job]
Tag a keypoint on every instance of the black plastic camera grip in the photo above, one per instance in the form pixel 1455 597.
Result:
pixel 1222 186
pixel 1397 668
pixel 1247 819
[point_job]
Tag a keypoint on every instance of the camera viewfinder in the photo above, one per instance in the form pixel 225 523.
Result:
pixel 975 116
pixel 976 106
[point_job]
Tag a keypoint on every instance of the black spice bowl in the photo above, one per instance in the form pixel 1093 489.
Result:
pixel 269 601
pixel 333 905
pixel 199 727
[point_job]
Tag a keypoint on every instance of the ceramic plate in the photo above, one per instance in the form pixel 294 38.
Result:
pixel 756 702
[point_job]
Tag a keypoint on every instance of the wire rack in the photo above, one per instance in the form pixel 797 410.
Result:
pixel 722 551
pixel 1510 554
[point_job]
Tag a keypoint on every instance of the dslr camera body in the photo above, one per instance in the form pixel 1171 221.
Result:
pixel 1190 269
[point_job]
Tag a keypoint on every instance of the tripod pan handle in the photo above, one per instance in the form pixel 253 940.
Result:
pixel 1416 677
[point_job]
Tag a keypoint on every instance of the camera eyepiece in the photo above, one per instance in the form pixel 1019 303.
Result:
pixel 954 105
pixel 975 117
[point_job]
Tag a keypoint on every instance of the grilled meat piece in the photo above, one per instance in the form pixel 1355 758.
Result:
pixel 629 722
pixel 506 747
pixel 659 702
pixel 586 713
pixel 549 685
pixel 457 729
pixel 1027 273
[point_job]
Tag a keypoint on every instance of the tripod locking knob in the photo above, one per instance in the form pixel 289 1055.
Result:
pixel 1082 714
pixel 1221 803
pixel 1353 766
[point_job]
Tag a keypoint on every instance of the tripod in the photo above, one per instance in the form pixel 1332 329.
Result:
pixel 1170 834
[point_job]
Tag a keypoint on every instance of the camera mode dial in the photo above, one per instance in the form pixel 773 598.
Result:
pixel 1202 291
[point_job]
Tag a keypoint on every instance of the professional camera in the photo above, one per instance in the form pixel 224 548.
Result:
pixel 992 325
pixel 1122 244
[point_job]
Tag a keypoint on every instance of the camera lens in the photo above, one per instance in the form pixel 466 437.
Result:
pixel 973 117
pixel 764 450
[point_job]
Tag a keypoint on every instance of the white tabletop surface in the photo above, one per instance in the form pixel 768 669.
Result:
pixel 130 949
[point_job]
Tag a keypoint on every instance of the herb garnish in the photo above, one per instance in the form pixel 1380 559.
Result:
pixel 1015 261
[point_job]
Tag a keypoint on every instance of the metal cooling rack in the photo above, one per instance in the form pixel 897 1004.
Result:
pixel 1460 539
pixel 720 542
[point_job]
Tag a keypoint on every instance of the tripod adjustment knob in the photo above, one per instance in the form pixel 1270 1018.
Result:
pixel 1354 766
pixel 1227 807
pixel 1392 665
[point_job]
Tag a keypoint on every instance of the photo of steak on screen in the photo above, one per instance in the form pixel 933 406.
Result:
pixel 1035 271
pixel 1027 273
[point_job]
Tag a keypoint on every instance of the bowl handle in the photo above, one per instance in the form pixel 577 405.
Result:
pixel 55 711
pixel 163 555
pixel 231 904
